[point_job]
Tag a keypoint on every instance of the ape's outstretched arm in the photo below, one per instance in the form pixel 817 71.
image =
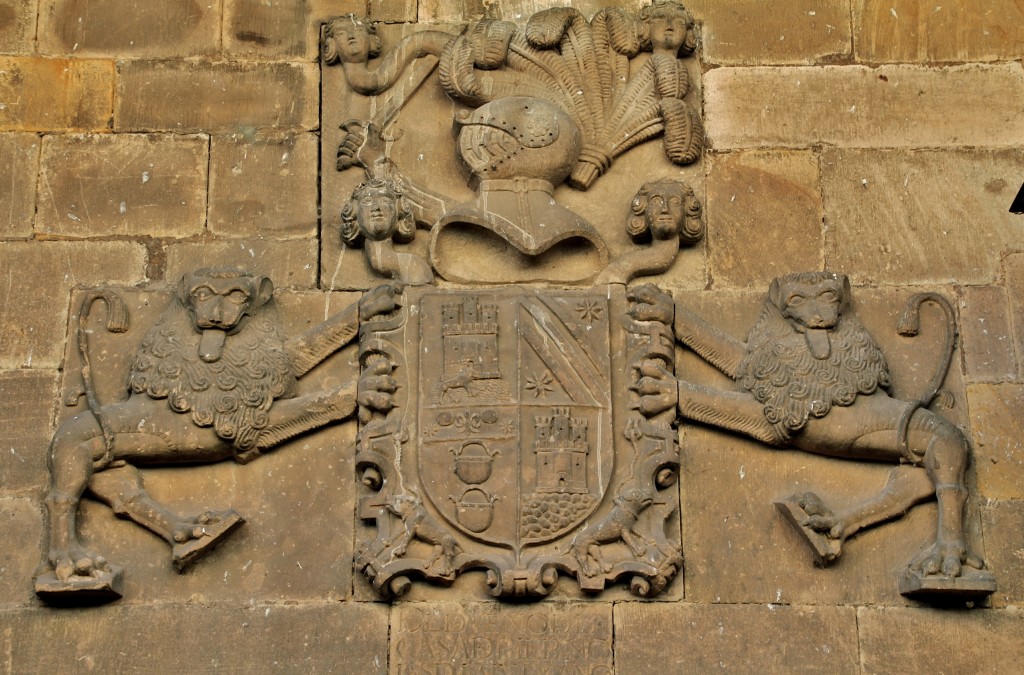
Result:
pixel 711 344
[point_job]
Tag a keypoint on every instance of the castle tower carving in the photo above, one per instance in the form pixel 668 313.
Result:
pixel 562 448
pixel 470 331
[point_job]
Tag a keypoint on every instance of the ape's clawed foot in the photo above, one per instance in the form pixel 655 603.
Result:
pixel 947 570
pixel 195 537
pixel 809 516
pixel 76 576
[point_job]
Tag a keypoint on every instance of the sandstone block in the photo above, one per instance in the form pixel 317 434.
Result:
pixel 123 184
pixel 931 30
pixel 191 638
pixel 33 315
pixel 21 525
pixel 487 637
pixel 55 94
pixel 129 27
pixel 268 29
pixel 290 263
pixel 265 187
pixel 742 32
pixel 856 106
pixel 663 638
pixel 1013 267
pixel 987 335
pixel 763 206
pixel 919 217
pixel 996 412
pixel 26 417
pixel 17 25
pixel 18 176
pixel 1003 522
pixel 392 11
pixel 215 97
pixel 904 640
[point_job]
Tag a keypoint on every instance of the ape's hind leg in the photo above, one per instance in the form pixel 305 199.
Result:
pixel 189 536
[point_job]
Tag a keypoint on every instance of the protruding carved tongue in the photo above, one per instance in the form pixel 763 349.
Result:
pixel 819 343
pixel 211 344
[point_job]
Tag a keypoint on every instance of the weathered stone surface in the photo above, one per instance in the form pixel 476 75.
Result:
pixel 660 638
pixel 738 547
pixel 21 525
pixel 447 637
pixel 932 30
pixel 194 638
pixel 1003 521
pixel 856 106
pixel 129 27
pixel 1013 270
pixel 297 499
pixel 18 176
pixel 215 97
pixel 29 397
pixel 805 31
pixel 290 263
pixel 920 217
pixel 127 184
pixel 33 314
pixel 266 29
pixel 987 335
pixel 762 206
pixel 265 187
pixel 55 94
pixel 391 11
pixel 17 25
pixel 904 640
pixel 996 414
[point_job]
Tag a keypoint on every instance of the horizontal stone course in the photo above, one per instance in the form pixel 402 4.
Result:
pixel 30 397
pixel 123 184
pixel 17 25
pixel 221 97
pixel 129 28
pixel 988 349
pixel 21 528
pixel 289 263
pixel 18 174
pixel 996 414
pixel 857 106
pixel 1002 520
pixel 44 94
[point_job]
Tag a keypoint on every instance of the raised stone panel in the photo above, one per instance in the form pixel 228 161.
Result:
pixel 685 638
pixel 996 414
pixel 123 184
pixel 228 97
pixel 29 397
pixel 18 175
pixel 33 315
pixel 763 206
pixel 804 31
pixel 904 641
pixel 264 187
pixel 857 106
pixel 311 638
pixel 449 637
pixel 933 30
pixel 988 343
pixel 129 27
pixel 42 94
pixel 17 25
pixel 290 263
pixel 920 217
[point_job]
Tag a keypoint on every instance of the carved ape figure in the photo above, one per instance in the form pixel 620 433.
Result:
pixel 214 378
pixel 377 215
pixel 811 377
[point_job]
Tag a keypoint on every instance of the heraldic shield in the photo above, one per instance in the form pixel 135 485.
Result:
pixel 515 443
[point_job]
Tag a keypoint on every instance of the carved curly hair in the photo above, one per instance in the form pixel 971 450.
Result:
pixel 352 235
pixel 689 44
pixel 331 54
pixel 692 227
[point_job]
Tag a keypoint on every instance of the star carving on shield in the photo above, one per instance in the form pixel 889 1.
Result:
pixel 540 385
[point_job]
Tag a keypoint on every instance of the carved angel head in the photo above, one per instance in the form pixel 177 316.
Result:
pixel 377 210
pixel 663 209
pixel 665 25
pixel 350 39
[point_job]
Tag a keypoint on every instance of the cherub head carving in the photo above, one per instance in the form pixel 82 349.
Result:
pixel 378 211
pixel 664 209
pixel 350 39
pixel 666 26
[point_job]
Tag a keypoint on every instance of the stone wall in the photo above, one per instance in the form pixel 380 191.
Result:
pixel 141 139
